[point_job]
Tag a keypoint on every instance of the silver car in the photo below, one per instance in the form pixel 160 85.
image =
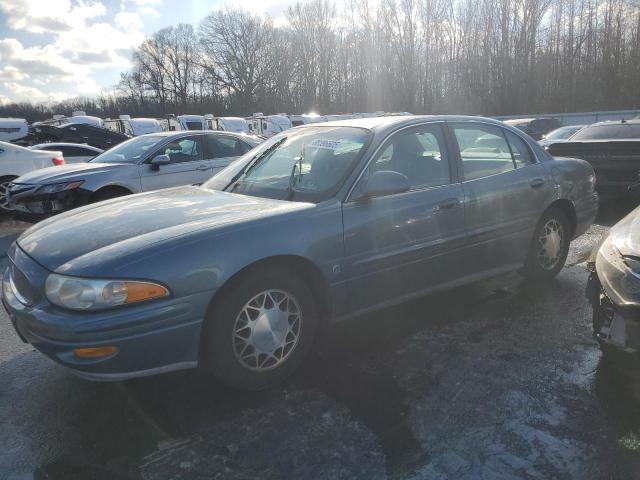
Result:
pixel 147 162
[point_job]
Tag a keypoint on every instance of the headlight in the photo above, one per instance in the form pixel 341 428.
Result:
pixel 634 264
pixel 60 187
pixel 88 294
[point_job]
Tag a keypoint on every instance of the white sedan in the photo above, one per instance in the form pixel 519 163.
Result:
pixel 16 161
pixel 72 152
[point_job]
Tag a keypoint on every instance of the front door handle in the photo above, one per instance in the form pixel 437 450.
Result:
pixel 202 168
pixel 536 182
pixel 447 204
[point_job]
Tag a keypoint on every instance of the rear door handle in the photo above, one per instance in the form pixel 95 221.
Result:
pixel 536 183
pixel 447 204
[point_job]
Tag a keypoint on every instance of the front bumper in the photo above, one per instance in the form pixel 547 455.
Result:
pixel 150 338
pixel 28 199
pixel 614 293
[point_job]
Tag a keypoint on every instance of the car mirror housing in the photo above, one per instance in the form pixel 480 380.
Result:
pixel 160 160
pixel 385 182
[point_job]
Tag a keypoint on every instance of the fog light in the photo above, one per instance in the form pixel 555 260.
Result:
pixel 94 352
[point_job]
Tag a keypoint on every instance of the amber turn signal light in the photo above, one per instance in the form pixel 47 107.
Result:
pixel 94 352
pixel 140 291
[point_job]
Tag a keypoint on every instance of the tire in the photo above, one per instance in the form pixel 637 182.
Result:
pixel 540 265
pixel 236 361
pixel 4 182
pixel 108 194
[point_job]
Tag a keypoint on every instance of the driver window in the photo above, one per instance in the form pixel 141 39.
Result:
pixel 418 153
pixel 182 150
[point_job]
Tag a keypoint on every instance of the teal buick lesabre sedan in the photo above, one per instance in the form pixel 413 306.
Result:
pixel 317 224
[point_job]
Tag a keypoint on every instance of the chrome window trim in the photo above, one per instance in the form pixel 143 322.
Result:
pixel 496 123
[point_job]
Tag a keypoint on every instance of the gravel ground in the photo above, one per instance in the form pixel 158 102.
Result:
pixel 496 380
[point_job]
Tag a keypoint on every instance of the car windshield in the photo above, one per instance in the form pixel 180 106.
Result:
pixel 562 133
pixel 609 132
pixel 309 164
pixel 130 151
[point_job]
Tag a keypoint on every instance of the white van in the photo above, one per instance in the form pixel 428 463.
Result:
pixel 268 125
pixel 227 124
pixel 305 119
pixel 133 126
pixel 184 122
pixel 12 129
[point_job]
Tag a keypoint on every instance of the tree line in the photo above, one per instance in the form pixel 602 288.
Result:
pixel 485 57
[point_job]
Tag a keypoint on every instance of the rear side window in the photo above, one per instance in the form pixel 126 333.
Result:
pixel 219 146
pixel 75 152
pixel 483 149
pixel 521 153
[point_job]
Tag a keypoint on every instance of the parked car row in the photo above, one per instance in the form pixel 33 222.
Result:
pixel 317 224
pixel 147 162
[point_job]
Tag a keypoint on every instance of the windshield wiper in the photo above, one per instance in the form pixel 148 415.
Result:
pixel 235 181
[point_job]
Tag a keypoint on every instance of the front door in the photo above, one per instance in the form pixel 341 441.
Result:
pixel 405 243
pixel 188 165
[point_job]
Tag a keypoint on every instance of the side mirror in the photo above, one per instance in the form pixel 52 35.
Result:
pixel 385 182
pixel 160 160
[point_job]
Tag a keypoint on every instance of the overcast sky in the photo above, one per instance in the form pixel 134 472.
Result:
pixel 55 49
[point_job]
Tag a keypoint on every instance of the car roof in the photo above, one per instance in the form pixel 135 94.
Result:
pixel 632 121
pixel 182 133
pixel 393 122
pixel 66 144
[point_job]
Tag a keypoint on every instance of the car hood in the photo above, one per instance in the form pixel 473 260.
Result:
pixel 625 235
pixel 123 226
pixel 71 172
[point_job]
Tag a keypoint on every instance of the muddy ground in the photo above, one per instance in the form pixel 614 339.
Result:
pixel 497 380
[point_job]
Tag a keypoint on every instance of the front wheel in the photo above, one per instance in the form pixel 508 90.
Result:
pixel 260 330
pixel 549 247
pixel 4 189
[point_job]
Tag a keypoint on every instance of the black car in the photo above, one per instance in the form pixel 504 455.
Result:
pixel 613 150
pixel 77 133
pixel 536 128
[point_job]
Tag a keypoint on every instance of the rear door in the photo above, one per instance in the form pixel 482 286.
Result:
pixel 505 192
pixel 188 165
pixel 401 244
pixel 221 150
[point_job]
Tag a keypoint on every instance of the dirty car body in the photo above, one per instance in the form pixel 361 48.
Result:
pixel 365 213
pixel 614 286
pixel 193 158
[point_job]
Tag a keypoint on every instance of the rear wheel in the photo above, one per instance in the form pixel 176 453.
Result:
pixel 260 330
pixel 549 247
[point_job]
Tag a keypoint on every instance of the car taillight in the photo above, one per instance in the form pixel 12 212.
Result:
pixel 57 161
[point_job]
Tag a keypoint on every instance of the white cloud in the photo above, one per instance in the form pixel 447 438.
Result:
pixel 79 43
pixel 38 16
pixel 32 94
pixel 9 73
pixel 4 100
pixel 129 22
